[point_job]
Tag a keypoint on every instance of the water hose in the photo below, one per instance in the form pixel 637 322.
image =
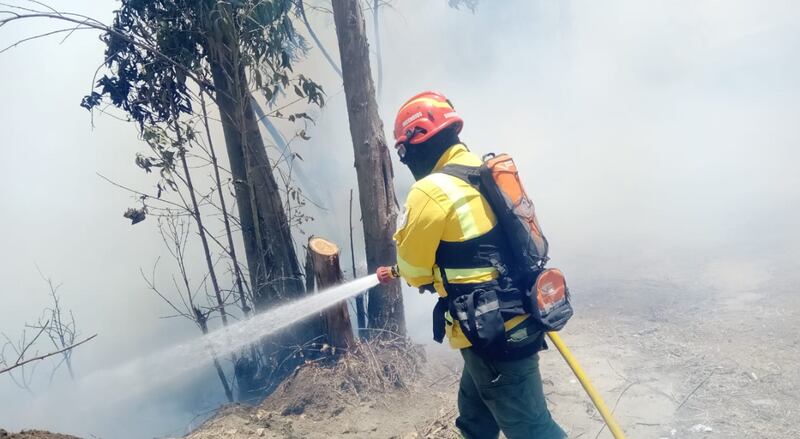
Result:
pixel 616 431
pixel 387 274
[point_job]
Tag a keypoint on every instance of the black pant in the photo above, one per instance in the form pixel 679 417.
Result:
pixel 503 395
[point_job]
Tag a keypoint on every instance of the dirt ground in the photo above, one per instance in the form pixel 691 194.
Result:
pixel 33 434
pixel 667 366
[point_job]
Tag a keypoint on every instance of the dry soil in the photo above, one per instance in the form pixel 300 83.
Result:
pixel 712 359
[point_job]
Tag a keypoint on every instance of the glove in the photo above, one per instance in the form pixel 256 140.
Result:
pixel 427 288
pixel 387 274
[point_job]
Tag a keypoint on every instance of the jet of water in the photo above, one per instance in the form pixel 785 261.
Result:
pixel 171 363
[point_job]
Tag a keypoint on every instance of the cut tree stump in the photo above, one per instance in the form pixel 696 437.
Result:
pixel 324 259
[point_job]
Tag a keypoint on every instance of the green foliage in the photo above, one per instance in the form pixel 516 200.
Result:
pixel 156 45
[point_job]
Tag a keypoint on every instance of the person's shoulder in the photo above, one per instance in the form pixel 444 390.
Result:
pixel 424 188
pixel 433 184
pixel 429 188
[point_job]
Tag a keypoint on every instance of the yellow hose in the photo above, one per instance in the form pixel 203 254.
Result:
pixel 587 385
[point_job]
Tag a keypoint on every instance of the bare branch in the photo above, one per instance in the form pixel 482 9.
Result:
pixel 151 285
pixel 98 25
pixel 47 34
pixel 20 362
pixel 141 194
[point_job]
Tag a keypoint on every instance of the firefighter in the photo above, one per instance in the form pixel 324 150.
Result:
pixel 449 242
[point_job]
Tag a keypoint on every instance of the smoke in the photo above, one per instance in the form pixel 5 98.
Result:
pixel 649 136
pixel 174 370
pixel 656 138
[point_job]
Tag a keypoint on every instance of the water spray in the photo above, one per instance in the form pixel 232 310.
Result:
pixel 167 365
pixel 178 360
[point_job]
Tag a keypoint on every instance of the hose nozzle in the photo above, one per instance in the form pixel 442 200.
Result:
pixel 387 274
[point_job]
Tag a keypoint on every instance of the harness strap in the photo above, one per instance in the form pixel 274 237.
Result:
pixel 469 174
pixel 486 253
pixel 439 321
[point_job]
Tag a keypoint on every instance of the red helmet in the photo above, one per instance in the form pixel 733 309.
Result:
pixel 424 115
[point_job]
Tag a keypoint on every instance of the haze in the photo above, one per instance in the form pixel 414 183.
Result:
pixel 657 138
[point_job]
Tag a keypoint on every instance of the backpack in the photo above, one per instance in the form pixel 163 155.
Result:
pixel 546 296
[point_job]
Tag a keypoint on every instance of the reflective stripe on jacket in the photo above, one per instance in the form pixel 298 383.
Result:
pixel 441 207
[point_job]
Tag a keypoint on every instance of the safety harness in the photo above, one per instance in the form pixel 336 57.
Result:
pixel 481 309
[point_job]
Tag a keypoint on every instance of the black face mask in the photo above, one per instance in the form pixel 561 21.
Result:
pixel 420 160
pixel 422 157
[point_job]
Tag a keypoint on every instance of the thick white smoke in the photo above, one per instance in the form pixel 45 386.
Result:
pixel 654 137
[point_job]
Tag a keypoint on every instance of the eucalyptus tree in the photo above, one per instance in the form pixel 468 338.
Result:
pixel 372 162
pixel 222 49
pixel 162 60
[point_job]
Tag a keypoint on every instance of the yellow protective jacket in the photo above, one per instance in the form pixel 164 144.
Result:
pixel 441 207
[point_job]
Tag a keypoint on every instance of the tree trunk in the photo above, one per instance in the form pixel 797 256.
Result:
pixel 372 162
pixel 271 257
pixel 327 272
pixel 272 260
